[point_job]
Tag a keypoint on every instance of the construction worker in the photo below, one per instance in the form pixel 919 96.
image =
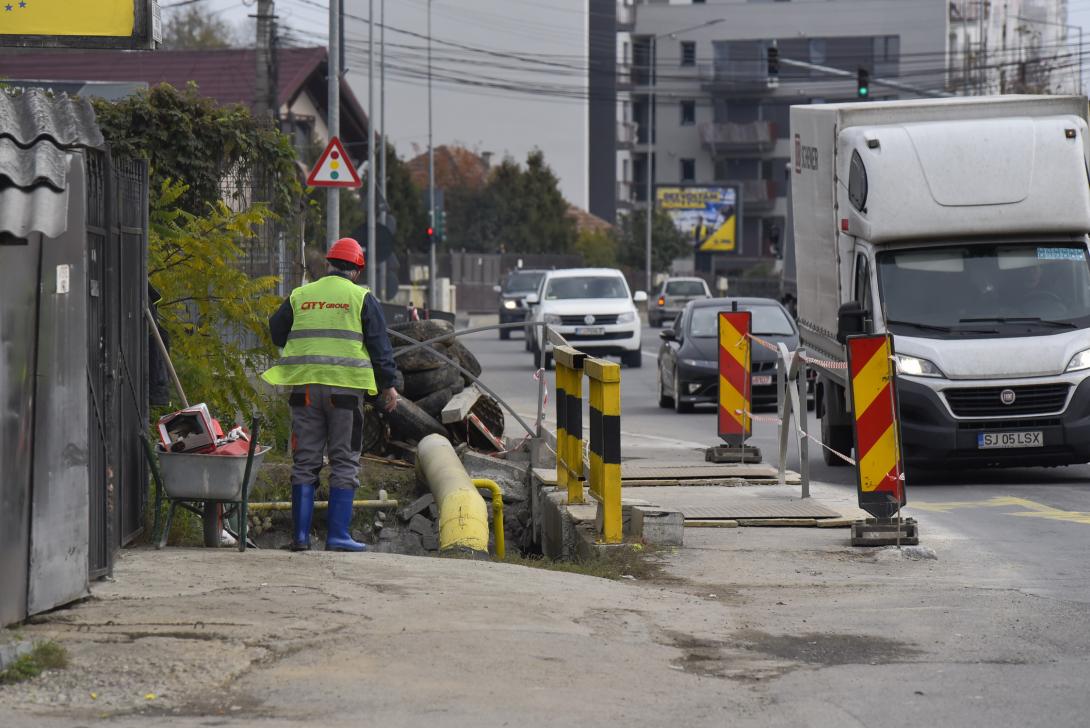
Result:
pixel 335 349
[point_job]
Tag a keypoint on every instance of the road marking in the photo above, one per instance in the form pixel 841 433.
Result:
pixel 650 354
pixel 1031 509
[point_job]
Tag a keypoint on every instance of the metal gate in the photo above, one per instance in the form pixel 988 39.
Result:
pixel 118 352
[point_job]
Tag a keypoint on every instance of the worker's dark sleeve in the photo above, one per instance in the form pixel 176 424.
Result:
pixel 280 323
pixel 378 343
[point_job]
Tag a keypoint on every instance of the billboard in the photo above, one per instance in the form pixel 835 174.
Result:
pixel 80 23
pixel 706 214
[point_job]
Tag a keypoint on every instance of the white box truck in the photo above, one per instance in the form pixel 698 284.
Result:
pixel 959 226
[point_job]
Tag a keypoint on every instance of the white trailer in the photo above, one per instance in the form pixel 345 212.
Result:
pixel 960 226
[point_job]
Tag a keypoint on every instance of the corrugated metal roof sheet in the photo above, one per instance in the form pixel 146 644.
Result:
pixel 33 115
pixel 42 164
pixel 40 210
pixel 37 131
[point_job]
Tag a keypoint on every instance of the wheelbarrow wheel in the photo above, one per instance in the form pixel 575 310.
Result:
pixel 211 522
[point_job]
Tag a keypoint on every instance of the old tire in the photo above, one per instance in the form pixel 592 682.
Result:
pixel 465 358
pixel 421 384
pixel 375 433
pixel 434 403
pixel 421 330
pixel 412 424
pixel 420 360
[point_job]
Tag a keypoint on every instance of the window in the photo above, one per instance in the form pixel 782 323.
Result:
pixel 688 53
pixel 686 288
pixel 688 112
pixel 688 170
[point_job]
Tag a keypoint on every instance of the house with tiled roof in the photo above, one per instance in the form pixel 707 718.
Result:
pixel 229 76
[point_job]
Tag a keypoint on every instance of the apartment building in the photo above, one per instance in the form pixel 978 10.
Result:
pixel 694 100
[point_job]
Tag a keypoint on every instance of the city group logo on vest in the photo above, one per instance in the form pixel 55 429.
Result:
pixel 322 305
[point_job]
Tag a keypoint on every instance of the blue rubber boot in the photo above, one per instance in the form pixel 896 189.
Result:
pixel 302 511
pixel 340 517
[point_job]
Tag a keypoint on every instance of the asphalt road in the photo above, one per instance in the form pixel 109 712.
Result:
pixel 1036 521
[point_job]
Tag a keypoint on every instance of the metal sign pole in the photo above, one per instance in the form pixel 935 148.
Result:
pixel 333 121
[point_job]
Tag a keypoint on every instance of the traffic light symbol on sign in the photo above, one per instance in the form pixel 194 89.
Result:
pixel 862 83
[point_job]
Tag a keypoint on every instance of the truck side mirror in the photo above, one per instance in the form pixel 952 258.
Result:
pixel 850 320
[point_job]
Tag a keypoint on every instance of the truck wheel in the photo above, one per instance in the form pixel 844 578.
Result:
pixel 837 437
pixel 411 423
pixel 421 384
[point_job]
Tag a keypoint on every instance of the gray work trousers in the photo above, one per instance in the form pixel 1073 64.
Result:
pixel 326 420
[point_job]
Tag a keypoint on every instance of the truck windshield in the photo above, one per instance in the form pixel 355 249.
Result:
pixel 986 289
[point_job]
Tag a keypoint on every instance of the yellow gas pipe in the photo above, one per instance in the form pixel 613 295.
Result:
pixel 497 512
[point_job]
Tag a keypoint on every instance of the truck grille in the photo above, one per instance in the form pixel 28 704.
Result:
pixel 580 319
pixel 986 402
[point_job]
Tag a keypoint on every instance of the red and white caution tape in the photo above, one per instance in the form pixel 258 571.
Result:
pixel 778 421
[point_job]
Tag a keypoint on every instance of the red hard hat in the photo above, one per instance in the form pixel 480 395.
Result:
pixel 348 250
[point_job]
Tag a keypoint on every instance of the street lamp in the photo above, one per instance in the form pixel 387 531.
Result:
pixel 651 62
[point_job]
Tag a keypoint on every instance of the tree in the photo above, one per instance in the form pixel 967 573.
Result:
pixel 196 28
pixel 667 242
pixel 518 211
pixel 598 247
pixel 194 261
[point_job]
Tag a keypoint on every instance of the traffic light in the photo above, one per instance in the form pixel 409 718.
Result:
pixel 441 224
pixel 429 235
pixel 862 83
pixel 773 61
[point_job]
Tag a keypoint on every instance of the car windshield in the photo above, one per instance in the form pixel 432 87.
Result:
pixel 768 320
pixel 522 282
pixel 558 289
pixel 986 290
pixel 685 288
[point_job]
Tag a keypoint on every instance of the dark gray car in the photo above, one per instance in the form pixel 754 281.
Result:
pixel 516 286
pixel 688 361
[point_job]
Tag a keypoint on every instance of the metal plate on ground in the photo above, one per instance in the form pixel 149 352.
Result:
pixel 675 471
pixel 709 503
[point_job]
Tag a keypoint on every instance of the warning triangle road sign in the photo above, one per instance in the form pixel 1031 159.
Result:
pixel 334 168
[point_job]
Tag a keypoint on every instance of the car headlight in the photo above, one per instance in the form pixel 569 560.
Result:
pixel 1079 361
pixel 914 366
pixel 626 318
pixel 510 303
pixel 552 318
pixel 700 363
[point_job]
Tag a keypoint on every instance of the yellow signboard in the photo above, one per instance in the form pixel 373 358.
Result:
pixel 104 18
pixel 707 215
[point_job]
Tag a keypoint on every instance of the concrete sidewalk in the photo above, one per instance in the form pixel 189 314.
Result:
pixel 746 627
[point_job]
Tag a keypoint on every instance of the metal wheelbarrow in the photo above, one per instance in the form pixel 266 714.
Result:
pixel 211 480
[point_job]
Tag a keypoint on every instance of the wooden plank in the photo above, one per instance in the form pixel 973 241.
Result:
pixel 458 407
pixel 777 521
pixel 711 524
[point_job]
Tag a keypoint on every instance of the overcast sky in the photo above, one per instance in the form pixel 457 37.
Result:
pixel 548 112
pixel 547 36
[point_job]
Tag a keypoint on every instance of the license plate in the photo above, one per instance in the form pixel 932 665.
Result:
pixel 589 331
pixel 760 380
pixel 988 440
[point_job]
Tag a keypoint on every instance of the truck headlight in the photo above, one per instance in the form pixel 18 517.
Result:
pixel 510 303
pixel 1079 361
pixel 626 318
pixel 914 366
pixel 552 318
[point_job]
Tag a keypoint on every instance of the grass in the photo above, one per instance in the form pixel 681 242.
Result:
pixel 45 656
pixel 634 560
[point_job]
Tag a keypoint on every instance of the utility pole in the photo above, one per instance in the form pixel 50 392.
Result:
pixel 265 87
pixel 371 227
pixel 651 51
pixel 432 290
pixel 333 120
pixel 382 129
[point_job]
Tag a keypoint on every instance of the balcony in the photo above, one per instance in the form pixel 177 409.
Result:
pixel 759 195
pixel 624 192
pixel 626 16
pixel 624 75
pixel 738 77
pixel 626 134
pixel 752 137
